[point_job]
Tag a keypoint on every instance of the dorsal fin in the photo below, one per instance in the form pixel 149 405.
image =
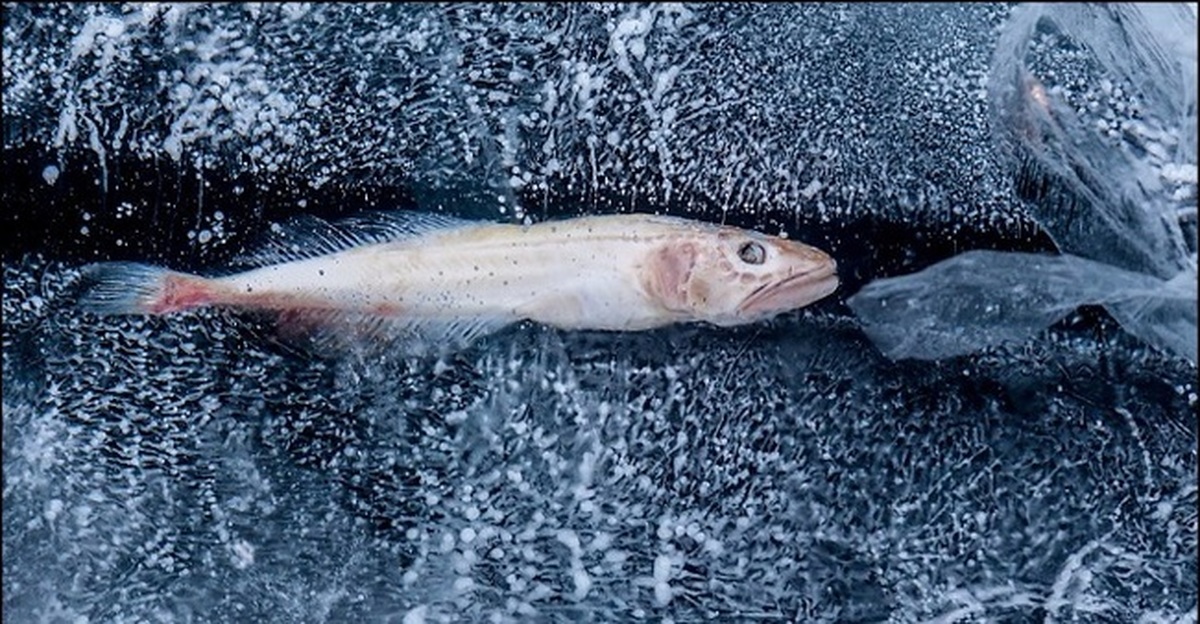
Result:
pixel 305 236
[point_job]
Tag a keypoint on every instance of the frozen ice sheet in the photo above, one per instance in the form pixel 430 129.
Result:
pixel 193 469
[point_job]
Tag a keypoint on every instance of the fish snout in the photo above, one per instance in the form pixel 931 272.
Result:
pixel 811 275
pixel 801 259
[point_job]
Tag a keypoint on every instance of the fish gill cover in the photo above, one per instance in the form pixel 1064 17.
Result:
pixel 195 469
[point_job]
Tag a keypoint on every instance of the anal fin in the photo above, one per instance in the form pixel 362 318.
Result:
pixel 336 331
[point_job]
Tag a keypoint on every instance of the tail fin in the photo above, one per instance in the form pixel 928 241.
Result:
pixel 131 288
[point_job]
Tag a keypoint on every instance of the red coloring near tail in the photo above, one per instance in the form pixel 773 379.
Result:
pixel 132 288
pixel 180 292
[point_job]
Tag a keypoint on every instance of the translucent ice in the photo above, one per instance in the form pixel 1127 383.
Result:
pixel 981 298
pixel 1099 106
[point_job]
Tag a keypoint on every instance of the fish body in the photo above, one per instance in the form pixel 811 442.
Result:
pixel 444 278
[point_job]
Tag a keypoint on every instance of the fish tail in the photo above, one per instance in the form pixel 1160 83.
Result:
pixel 132 288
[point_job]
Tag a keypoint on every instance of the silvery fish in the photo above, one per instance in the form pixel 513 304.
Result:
pixel 435 280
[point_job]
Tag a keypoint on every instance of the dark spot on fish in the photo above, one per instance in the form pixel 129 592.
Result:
pixel 321 272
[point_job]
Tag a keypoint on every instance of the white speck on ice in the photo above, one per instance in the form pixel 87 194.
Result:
pixel 173 147
pixel 583 583
pixel 110 27
pixel 416 615
pixel 812 189
pixel 243 554
pixel 1179 174
pixel 569 539
pixel 629 37
pixel 662 83
pixel 53 507
pixel 50 174
pixel 662 574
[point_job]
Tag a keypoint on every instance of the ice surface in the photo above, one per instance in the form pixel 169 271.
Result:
pixel 196 468
pixel 655 104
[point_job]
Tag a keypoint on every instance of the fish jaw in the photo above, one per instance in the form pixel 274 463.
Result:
pixel 793 292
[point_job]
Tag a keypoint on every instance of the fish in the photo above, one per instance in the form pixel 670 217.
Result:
pixel 424 279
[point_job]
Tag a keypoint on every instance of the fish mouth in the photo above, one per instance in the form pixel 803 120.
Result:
pixel 796 291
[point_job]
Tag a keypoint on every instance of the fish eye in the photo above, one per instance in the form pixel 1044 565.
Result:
pixel 752 253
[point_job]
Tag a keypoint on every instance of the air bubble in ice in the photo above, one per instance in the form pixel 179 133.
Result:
pixel 50 174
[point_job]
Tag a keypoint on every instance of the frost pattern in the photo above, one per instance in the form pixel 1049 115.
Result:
pixel 750 109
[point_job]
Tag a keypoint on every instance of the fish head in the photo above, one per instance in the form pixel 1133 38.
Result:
pixel 729 276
